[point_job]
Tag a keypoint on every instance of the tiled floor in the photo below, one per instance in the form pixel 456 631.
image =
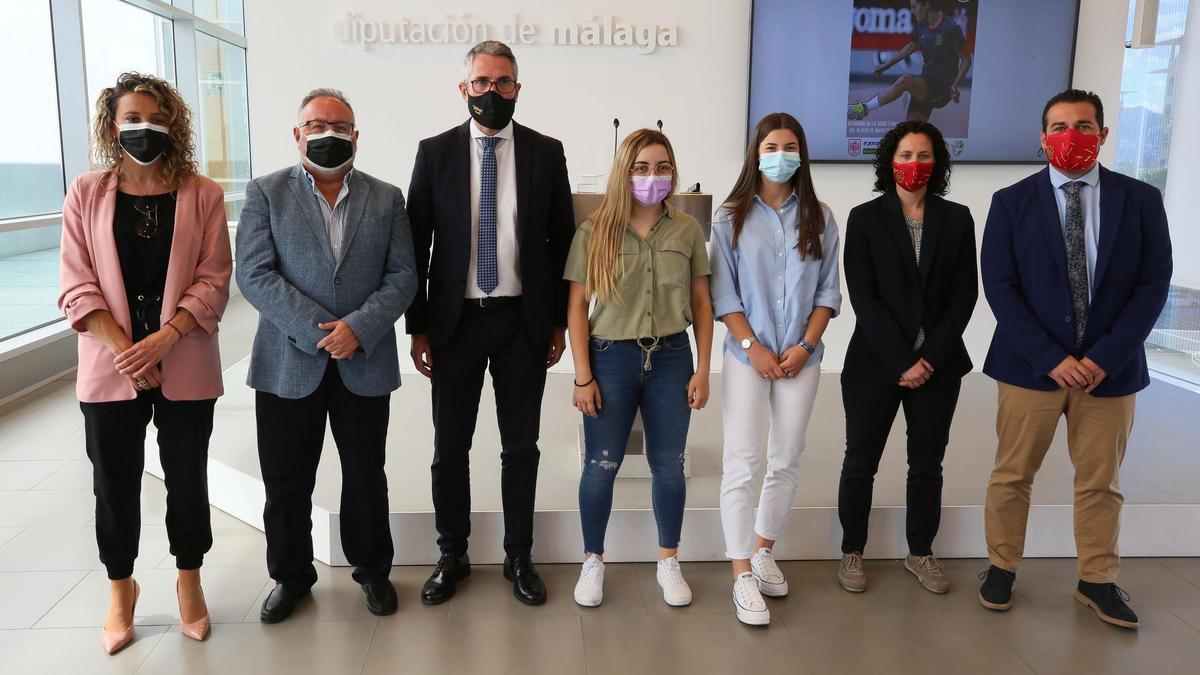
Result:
pixel 53 593
pixel 53 596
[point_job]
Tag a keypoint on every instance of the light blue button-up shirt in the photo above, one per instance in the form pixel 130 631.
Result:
pixel 765 278
pixel 335 217
pixel 1089 202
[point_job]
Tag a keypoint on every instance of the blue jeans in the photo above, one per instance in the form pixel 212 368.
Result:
pixel 630 378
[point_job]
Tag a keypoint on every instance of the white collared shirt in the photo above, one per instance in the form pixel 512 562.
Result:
pixel 1089 202
pixel 508 250
pixel 335 218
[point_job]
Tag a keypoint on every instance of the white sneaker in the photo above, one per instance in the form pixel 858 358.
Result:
pixel 770 578
pixel 589 592
pixel 751 608
pixel 676 592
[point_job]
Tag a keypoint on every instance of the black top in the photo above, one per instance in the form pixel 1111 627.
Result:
pixel 144 250
pixel 940 48
pixel 439 208
pixel 895 297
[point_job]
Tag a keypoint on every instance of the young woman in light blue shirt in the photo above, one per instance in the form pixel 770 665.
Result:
pixel 775 285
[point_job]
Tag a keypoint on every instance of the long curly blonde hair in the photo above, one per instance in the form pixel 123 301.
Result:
pixel 611 219
pixel 178 162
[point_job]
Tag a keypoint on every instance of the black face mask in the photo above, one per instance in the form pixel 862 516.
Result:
pixel 491 110
pixel 329 150
pixel 144 142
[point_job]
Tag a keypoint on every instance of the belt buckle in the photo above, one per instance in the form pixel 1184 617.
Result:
pixel 653 343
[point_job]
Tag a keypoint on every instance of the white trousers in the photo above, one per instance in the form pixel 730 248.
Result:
pixel 758 414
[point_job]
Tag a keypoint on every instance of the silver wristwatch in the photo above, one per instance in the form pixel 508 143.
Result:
pixel 748 342
pixel 808 346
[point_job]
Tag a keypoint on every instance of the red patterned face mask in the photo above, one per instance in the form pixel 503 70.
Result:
pixel 912 176
pixel 1072 150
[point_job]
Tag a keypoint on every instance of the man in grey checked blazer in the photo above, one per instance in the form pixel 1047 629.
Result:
pixel 325 253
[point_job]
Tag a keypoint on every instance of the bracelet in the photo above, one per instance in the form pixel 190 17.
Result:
pixel 585 383
pixel 179 332
pixel 807 346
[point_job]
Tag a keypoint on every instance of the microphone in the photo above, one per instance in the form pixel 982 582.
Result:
pixel 616 126
pixel 660 126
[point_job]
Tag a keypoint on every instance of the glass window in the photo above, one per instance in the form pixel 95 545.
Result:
pixel 31 172
pixel 28 279
pixel 1149 82
pixel 225 13
pixel 223 113
pixel 1148 78
pixel 118 38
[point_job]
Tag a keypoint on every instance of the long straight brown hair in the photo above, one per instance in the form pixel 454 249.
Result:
pixel 741 198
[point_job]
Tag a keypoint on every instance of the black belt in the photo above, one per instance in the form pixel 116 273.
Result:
pixel 493 302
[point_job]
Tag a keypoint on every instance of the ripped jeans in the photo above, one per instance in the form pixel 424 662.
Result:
pixel 631 378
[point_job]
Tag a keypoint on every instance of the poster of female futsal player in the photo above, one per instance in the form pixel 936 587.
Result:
pixel 910 60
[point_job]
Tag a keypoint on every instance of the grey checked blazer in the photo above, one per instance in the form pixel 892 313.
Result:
pixel 285 268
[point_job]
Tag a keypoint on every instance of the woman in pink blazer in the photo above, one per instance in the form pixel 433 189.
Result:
pixel 145 278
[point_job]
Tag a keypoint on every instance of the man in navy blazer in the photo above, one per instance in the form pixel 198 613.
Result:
pixel 325 254
pixel 1076 264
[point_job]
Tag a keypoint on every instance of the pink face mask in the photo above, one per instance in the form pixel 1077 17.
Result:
pixel 650 190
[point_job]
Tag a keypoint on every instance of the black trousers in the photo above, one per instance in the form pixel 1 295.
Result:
pixel 492 339
pixel 115 434
pixel 291 433
pixel 870 410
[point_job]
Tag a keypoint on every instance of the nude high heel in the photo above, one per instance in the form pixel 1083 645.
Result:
pixel 197 630
pixel 115 641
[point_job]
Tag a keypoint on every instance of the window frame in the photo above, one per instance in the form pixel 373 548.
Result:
pixel 74 108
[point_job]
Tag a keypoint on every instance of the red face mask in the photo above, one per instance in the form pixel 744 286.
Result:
pixel 1072 150
pixel 912 176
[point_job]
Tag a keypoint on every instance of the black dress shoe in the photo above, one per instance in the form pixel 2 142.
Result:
pixel 996 590
pixel 528 587
pixel 281 602
pixel 1108 601
pixel 440 586
pixel 381 597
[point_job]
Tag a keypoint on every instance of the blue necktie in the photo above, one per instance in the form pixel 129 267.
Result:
pixel 1077 272
pixel 487 275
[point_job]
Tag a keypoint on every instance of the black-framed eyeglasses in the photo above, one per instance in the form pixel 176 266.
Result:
pixel 147 224
pixel 321 126
pixel 504 85
pixel 644 169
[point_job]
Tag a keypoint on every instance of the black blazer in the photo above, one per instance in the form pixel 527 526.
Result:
pixel 893 298
pixel 439 208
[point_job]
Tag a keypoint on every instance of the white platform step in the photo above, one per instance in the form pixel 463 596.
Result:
pixel 1161 482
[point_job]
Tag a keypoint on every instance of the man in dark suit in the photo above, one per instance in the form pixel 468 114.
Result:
pixel 492 198
pixel 1076 266
pixel 324 253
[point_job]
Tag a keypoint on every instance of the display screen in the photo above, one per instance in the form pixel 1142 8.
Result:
pixel 849 70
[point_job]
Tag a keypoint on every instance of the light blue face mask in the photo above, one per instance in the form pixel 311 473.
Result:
pixel 779 167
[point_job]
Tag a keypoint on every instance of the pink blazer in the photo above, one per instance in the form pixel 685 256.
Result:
pixel 197 280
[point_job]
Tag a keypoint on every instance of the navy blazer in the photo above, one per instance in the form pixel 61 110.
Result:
pixel 439 207
pixel 1024 269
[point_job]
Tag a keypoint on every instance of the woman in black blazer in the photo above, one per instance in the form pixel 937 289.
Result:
pixel 911 275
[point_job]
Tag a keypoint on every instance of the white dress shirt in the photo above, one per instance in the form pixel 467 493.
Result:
pixel 508 250
pixel 1089 202
pixel 335 218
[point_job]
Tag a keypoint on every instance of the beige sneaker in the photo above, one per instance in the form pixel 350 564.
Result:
pixel 850 573
pixel 929 572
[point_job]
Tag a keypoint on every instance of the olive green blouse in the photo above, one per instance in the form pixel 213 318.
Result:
pixel 654 278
